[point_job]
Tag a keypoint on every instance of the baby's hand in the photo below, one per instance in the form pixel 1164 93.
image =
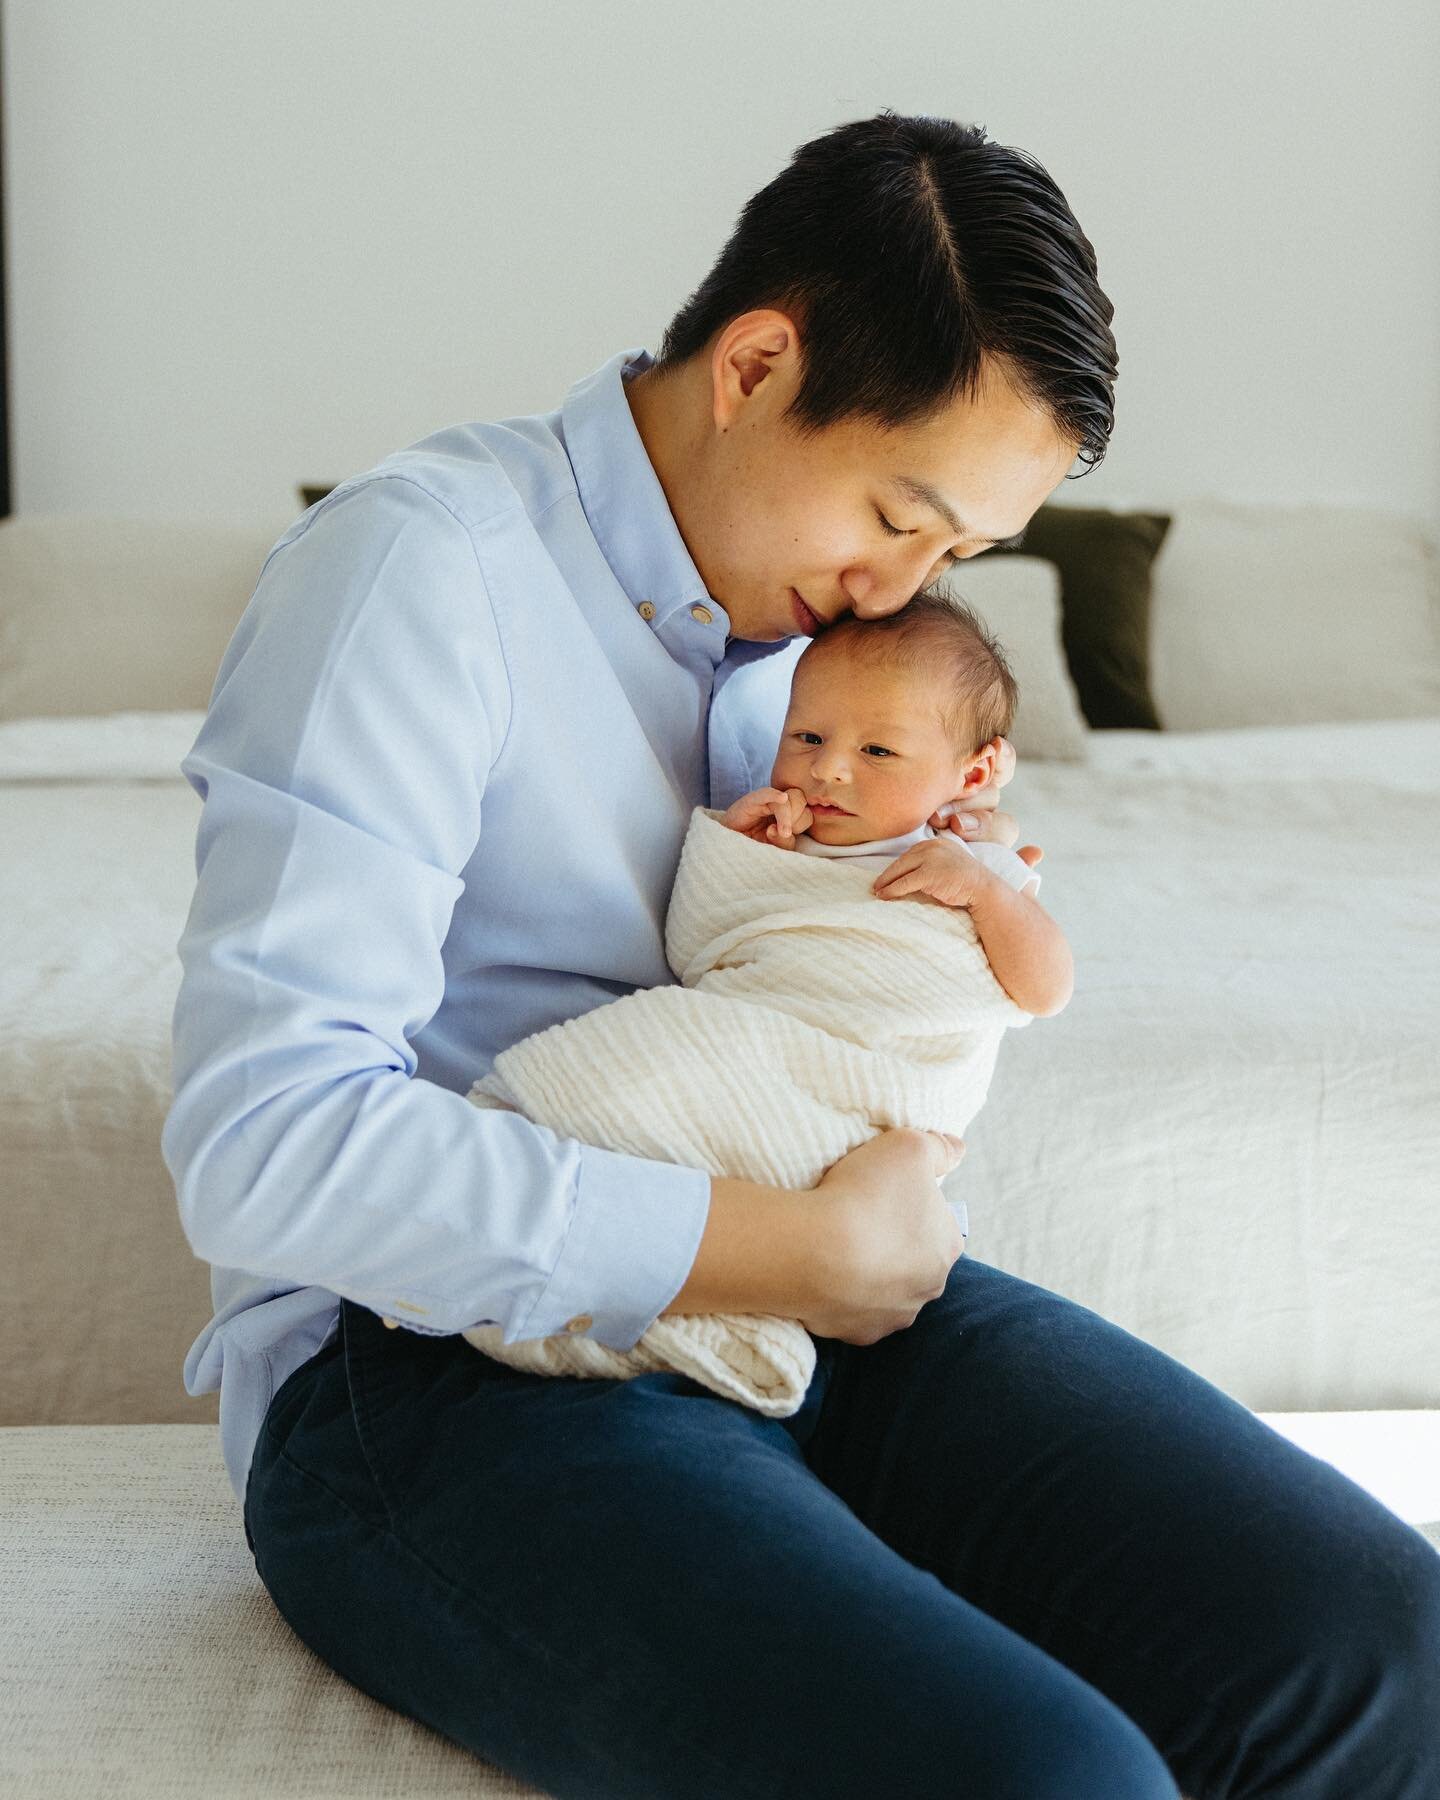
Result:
pixel 770 816
pixel 936 869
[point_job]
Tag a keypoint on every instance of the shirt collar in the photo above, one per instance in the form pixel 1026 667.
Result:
pixel 626 509
pixel 622 496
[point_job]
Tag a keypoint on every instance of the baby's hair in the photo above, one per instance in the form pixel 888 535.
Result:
pixel 938 633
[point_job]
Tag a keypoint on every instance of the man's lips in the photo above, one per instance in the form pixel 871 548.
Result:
pixel 806 619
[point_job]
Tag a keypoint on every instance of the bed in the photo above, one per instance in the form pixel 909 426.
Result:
pixel 1226 1142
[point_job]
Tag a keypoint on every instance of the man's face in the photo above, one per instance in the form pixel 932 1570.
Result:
pixel 769 516
pixel 870 740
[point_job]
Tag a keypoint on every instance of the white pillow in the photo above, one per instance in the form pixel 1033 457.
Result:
pixel 1018 597
pixel 101 615
pixel 134 746
pixel 1268 615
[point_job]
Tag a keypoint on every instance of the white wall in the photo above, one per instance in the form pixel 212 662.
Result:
pixel 259 243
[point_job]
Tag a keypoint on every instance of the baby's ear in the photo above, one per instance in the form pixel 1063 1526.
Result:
pixel 979 771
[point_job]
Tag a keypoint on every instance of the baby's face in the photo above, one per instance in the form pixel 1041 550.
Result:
pixel 870 740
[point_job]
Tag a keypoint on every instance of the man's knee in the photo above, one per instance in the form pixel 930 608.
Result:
pixel 1094 1753
pixel 1040 1734
pixel 1359 1688
pixel 1386 1629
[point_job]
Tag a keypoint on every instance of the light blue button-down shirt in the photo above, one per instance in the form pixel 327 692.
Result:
pixel 446 771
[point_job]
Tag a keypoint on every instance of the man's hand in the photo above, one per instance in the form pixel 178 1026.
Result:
pixel 936 869
pixel 884 1236
pixel 978 815
pixel 770 816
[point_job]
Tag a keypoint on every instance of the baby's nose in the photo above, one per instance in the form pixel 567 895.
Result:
pixel 828 764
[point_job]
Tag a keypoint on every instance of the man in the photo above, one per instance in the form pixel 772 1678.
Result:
pixel 1004 1547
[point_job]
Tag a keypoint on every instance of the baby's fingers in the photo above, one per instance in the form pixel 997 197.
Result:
pixel 779 831
pixel 899 888
pixel 888 883
pixel 788 809
pixel 796 815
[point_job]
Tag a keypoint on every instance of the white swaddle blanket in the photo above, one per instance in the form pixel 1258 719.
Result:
pixel 810 1016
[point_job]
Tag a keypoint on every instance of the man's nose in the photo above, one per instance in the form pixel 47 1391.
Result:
pixel 874 592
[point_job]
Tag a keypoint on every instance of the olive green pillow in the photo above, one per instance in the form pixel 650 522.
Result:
pixel 1104 559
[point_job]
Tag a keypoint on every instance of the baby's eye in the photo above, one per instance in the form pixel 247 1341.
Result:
pixel 880 748
pixel 808 734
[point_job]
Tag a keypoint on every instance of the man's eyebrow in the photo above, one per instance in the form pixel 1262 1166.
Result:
pixel 915 489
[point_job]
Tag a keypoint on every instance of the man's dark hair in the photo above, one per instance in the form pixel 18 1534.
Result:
pixel 908 251
pixel 935 633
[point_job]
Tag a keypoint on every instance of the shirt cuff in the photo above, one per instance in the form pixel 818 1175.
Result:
pixel 632 1242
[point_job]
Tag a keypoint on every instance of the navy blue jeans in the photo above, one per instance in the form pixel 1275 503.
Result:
pixel 1010 1553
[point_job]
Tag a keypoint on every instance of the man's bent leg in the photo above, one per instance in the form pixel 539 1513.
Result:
pixel 636 1588
pixel 1272 1628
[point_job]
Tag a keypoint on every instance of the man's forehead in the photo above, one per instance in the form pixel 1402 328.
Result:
pixel 984 463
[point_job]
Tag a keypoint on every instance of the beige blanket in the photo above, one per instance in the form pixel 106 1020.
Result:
pixel 810 1016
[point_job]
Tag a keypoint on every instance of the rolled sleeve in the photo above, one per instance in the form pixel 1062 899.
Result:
pixel 632 1241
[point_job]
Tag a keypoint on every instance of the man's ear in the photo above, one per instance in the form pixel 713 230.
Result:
pixel 756 357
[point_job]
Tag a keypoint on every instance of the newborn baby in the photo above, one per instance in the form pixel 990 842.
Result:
pixel 807 1015
pixel 891 720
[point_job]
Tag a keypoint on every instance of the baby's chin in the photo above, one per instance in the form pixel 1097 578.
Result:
pixel 839 828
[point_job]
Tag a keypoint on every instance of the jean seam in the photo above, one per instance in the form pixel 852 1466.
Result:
pixel 362 1424
pixel 535 1648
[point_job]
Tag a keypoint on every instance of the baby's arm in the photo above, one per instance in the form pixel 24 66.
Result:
pixel 1025 947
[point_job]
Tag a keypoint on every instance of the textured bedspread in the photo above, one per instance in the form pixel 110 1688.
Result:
pixel 810 1016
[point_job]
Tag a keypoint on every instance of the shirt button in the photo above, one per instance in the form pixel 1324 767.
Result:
pixel 581 1322
pixel 702 614
pixel 392 1324
pixel 647 611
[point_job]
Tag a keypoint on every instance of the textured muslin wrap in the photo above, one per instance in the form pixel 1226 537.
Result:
pixel 809 1016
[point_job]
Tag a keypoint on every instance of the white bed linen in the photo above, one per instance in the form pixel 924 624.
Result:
pixel 1227 1143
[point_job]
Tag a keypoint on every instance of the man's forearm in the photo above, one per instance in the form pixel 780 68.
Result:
pixel 758 1252
pixel 1025 947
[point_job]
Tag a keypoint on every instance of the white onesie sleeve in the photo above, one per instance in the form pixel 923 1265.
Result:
pixel 1004 862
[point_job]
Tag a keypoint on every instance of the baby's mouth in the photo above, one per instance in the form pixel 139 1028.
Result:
pixel 824 809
